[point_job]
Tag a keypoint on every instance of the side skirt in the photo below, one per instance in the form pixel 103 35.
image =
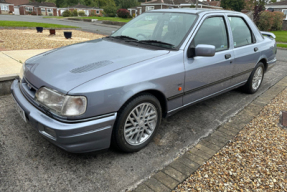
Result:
pixel 171 112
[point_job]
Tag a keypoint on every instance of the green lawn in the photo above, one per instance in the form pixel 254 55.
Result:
pixel 118 19
pixel 31 24
pixel 282 45
pixel 281 36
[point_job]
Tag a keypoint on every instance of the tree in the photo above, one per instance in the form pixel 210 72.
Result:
pixel 236 5
pixel 124 4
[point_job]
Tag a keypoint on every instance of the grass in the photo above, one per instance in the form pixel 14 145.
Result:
pixel 282 45
pixel 32 24
pixel 281 36
pixel 118 19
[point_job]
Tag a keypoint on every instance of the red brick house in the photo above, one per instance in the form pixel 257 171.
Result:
pixel 37 8
pixel 6 7
pixel 165 4
pixel 88 10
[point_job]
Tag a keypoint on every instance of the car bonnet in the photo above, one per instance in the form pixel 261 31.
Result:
pixel 65 68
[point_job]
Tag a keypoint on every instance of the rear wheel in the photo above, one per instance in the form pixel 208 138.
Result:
pixel 255 80
pixel 137 123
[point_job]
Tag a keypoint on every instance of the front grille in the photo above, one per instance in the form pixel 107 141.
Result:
pixel 28 89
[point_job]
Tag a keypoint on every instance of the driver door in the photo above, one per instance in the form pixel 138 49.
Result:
pixel 206 76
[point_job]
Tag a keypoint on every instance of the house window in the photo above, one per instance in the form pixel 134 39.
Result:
pixel 43 9
pixel 49 10
pixel 98 12
pixel 149 8
pixel 4 7
pixel 285 13
pixel 29 9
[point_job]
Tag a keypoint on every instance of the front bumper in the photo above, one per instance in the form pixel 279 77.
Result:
pixel 81 137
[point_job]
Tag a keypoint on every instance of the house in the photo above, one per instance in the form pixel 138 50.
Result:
pixel 6 7
pixel 88 10
pixel 279 6
pixel 17 2
pixel 166 4
pixel 36 8
pixel 213 3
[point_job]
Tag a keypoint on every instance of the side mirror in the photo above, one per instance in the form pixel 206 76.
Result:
pixel 201 50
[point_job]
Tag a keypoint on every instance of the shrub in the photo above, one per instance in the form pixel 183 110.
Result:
pixel 110 11
pixel 277 21
pixel 66 13
pixel 82 13
pixel 268 21
pixel 92 14
pixel 123 13
pixel 74 13
pixel 33 13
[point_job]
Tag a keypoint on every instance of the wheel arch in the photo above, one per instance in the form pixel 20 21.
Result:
pixel 158 94
pixel 264 61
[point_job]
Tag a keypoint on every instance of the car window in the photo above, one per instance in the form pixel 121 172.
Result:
pixel 213 32
pixel 240 31
pixel 165 27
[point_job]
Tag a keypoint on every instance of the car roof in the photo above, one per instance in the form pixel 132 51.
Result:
pixel 194 10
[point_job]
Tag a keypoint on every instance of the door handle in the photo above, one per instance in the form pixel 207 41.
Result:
pixel 227 56
pixel 255 49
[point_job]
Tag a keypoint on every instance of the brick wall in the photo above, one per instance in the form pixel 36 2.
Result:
pixel 11 8
pixel 284 26
pixel 17 2
pixel 21 10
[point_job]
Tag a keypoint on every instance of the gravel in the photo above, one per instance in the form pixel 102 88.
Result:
pixel 29 39
pixel 254 161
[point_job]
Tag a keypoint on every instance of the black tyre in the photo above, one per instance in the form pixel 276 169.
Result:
pixel 137 123
pixel 255 80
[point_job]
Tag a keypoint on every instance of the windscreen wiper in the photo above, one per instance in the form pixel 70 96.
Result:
pixel 155 42
pixel 123 37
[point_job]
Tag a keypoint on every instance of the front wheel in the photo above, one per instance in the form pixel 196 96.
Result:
pixel 137 123
pixel 255 79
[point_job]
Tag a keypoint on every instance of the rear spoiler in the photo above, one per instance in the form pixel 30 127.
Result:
pixel 268 34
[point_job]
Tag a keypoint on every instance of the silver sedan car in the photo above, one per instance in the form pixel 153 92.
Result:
pixel 115 90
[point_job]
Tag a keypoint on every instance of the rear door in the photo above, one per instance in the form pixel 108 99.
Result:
pixel 246 51
pixel 206 76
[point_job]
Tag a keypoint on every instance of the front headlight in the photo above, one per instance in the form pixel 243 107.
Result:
pixel 21 74
pixel 62 104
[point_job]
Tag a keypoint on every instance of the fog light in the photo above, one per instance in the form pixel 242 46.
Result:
pixel 50 132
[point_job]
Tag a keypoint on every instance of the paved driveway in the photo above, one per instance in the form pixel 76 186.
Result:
pixel 29 162
pixel 86 26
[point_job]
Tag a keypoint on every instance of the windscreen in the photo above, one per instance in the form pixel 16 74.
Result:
pixel 169 28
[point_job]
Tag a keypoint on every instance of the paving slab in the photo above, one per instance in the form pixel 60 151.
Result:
pixel 8 65
pixel 23 55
